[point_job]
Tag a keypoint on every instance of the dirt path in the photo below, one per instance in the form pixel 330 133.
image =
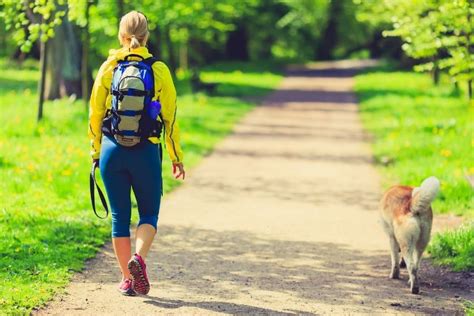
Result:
pixel 281 219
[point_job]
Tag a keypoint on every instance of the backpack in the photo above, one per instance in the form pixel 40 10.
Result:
pixel 131 118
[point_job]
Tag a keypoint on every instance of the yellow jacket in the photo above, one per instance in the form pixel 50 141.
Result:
pixel 101 100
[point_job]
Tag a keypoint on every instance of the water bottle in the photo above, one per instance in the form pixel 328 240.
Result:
pixel 154 109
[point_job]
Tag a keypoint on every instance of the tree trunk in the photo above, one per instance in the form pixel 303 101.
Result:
pixel 63 70
pixel 436 74
pixel 85 73
pixel 236 47
pixel 469 88
pixel 120 11
pixel 169 45
pixel 41 84
pixel 155 43
pixel 470 52
pixel 329 39
pixel 456 86
pixel 183 55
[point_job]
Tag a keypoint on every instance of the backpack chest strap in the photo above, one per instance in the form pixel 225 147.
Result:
pixel 131 92
pixel 129 112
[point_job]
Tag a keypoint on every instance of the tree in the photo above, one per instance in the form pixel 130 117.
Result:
pixel 63 62
pixel 80 14
pixel 303 24
pixel 32 21
pixel 457 25
pixel 183 22
pixel 85 66
pixel 438 33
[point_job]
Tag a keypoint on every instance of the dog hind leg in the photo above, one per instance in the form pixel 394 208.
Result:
pixel 417 254
pixel 394 248
pixel 411 260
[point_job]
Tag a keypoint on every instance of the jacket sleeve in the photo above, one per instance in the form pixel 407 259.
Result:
pixel 167 96
pixel 97 107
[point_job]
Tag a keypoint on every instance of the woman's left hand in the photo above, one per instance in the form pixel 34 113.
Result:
pixel 178 170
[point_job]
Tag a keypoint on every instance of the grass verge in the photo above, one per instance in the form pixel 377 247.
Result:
pixel 421 130
pixel 455 248
pixel 46 221
pixel 469 308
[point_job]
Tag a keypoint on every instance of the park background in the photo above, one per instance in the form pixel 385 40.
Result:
pixel 417 105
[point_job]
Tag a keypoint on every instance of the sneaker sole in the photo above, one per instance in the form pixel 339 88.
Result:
pixel 140 283
pixel 130 292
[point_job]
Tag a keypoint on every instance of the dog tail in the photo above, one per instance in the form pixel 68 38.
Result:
pixel 423 196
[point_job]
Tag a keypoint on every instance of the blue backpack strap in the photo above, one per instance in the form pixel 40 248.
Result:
pixel 151 81
pixel 149 62
pixel 150 78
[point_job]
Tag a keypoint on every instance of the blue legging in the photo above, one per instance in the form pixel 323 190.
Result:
pixel 123 168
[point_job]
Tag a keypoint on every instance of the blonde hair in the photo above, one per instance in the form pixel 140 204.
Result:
pixel 133 29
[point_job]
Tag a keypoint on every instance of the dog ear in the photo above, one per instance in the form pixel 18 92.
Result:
pixel 415 191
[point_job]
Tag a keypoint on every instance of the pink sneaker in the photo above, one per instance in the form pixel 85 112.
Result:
pixel 126 288
pixel 137 268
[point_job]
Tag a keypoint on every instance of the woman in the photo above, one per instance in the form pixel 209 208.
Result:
pixel 136 167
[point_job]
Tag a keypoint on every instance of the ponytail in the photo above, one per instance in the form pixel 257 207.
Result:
pixel 134 43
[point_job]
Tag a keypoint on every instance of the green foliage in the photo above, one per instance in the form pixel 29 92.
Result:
pixel 420 130
pixel 360 36
pixel 308 26
pixel 437 32
pixel 208 21
pixel 301 23
pixel 48 227
pixel 454 248
pixel 202 19
pixel 284 29
pixel 202 16
pixel 304 13
pixel 32 20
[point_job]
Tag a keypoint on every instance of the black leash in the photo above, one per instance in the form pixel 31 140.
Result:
pixel 93 182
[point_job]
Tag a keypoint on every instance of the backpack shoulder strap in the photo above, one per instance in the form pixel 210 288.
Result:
pixel 150 61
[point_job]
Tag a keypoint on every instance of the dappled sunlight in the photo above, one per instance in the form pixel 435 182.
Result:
pixel 292 117
pixel 239 266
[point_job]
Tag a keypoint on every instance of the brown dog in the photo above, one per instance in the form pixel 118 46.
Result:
pixel 407 217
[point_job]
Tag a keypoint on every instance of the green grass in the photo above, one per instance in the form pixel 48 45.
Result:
pixel 455 248
pixel 48 227
pixel 248 80
pixel 469 308
pixel 421 130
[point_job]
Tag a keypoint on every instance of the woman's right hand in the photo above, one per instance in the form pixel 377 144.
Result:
pixel 178 170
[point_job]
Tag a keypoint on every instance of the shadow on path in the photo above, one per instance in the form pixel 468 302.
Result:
pixel 221 307
pixel 227 265
pixel 196 270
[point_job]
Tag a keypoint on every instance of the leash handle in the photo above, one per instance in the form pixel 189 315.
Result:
pixel 93 183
